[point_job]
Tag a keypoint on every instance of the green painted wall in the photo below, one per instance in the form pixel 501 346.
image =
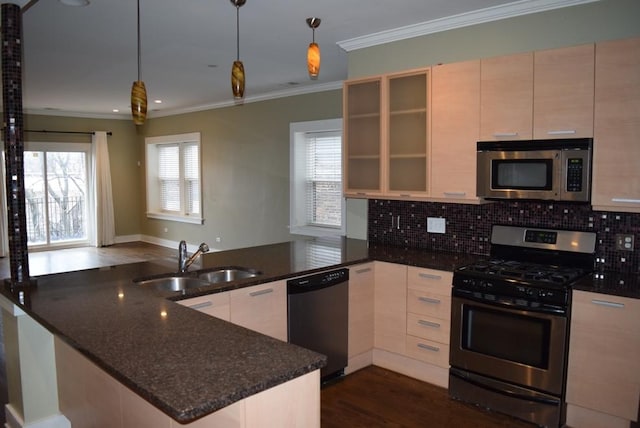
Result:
pixel 245 158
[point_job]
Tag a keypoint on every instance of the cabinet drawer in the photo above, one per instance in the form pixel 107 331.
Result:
pixel 216 305
pixel 431 304
pixel 428 327
pixel 428 351
pixel 262 308
pixel 435 281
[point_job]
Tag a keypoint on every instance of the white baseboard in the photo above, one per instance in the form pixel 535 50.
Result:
pixel 14 420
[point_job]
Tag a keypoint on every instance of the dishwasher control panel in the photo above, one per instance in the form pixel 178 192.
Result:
pixel 319 280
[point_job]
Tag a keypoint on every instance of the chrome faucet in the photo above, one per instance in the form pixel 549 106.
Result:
pixel 183 261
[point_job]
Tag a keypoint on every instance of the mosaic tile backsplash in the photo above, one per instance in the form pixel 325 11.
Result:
pixel 468 227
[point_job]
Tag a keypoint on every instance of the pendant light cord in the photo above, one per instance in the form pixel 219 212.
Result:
pixel 139 60
pixel 237 32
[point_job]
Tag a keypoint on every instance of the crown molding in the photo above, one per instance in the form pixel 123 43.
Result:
pixel 495 13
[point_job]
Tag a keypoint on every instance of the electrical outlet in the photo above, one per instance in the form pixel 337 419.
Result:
pixel 624 242
pixel 436 225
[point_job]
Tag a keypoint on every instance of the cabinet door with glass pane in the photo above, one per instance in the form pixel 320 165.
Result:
pixel 362 143
pixel 407 138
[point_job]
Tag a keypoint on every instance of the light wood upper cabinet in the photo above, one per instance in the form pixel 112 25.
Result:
pixel 362 148
pixel 506 110
pixel 604 369
pixel 407 139
pixel 563 92
pixel 616 158
pixel 455 130
pixel 262 308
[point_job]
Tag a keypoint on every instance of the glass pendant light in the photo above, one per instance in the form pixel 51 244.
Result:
pixel 237 71
pixel 313 53
pixel 138 90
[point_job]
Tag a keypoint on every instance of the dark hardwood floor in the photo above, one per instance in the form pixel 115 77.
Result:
pixel 375 397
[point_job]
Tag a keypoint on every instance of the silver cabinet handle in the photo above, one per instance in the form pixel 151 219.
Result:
pixel 455 193
pixel 629 201
pixel 429 276
pixel 363 270
pixel 429 300
pixel 261 292
pixel 505 134
pixel 201 305
pixel 428 347
pixel 607 304
pixel 562 132
pixel 429 323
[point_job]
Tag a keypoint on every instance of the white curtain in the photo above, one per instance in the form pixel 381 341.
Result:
pixel 105 224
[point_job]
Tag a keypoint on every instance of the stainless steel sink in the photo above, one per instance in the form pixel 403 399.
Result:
pixel 174 283
pixel 228 274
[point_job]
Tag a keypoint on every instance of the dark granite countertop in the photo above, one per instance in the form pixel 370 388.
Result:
pixel 611 283
pixel 186 363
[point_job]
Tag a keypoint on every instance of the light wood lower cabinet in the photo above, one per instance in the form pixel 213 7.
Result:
pixel 216 305
pixel 429 315
pixel 262 308
pixel 390 323
pixel 361 319
pixel 603 378
pixel 412 321
pixel 89 397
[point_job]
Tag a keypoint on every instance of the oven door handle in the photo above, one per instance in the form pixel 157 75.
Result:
pixel 508 393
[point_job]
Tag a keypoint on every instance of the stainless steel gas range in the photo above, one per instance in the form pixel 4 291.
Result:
pixel 510 322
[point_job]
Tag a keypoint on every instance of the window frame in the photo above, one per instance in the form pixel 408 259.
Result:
pixel 297 178
pixel 153 198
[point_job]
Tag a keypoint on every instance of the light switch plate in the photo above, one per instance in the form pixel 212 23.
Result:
pixel 436 225
pixel 624 242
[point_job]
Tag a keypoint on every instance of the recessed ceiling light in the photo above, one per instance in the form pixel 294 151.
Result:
pixel 157 101
pixel 115 110
pixel 74 2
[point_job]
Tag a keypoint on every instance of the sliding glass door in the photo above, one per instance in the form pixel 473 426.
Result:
pixel 57 194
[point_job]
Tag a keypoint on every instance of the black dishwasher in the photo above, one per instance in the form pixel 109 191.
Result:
pixel 318 317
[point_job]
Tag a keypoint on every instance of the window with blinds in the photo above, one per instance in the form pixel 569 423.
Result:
pixel 324 179
pixel 317 204
pixel 173 178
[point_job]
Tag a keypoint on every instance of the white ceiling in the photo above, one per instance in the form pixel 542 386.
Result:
pixel 81 61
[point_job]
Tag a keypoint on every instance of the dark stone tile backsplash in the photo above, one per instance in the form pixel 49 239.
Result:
pixel 468 227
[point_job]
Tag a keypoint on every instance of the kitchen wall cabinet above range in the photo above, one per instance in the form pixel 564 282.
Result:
pixel 540 95
pixel 616 157
pixel 386 132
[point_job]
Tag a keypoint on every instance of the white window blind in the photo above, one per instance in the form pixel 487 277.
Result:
pixel 324 179
pixel 174 178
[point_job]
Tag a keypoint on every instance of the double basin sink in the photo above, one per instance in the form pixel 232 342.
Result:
pixel 203 278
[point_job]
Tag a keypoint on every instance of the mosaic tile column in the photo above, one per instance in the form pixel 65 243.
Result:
pixel 13 135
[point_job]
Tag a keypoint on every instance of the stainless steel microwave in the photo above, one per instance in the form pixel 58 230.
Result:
pixel 558 170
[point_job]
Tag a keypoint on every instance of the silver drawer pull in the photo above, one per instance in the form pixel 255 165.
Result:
pixel 428 347
pixel 429 276
pixel 505 134
pixel 455 193
pixel 607 304
pixel 261 292
pixel 429 323
pixel 429 300
pixel 628 201
pixel 201 305
pixel 364 270
pixel 562 132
